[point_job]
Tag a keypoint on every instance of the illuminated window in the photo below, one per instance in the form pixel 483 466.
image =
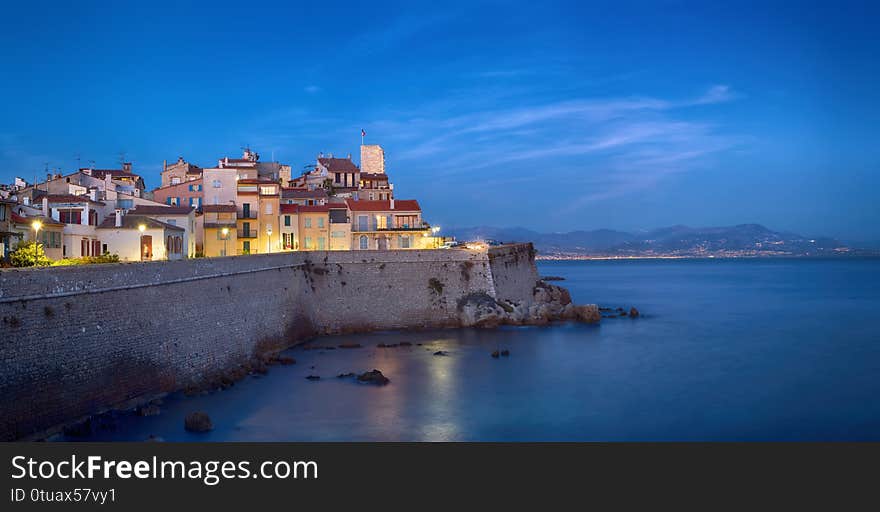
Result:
pixel 364 242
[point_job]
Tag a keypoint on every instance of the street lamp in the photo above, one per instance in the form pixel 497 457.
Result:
pixel 434 231
pixel 225 232
pixel 142 228
pixel 269 234
pixel 36 224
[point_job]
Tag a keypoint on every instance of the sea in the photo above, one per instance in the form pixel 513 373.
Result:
pixel 723 350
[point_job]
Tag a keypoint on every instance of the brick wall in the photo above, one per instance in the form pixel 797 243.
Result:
pixel 79 340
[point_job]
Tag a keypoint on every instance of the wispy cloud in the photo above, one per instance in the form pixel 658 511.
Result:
pixel 619 145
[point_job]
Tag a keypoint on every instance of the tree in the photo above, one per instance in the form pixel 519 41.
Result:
pixel 29 254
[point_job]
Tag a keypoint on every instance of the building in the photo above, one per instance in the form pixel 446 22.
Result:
pixel 179 172
pixel 375 187
pixel 189 193
pixel 140 238
pixel 257 204
pixel 372 159
pixel 340 227
pixel 342 174
pixel 392 224
pixel 81 215
pixel 219 236
pixel 303 196
pixel 289 227
pixel 180 216
pixel 8 234
pixel 49 233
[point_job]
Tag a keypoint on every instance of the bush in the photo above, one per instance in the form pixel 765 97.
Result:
pixel 87 260
pixel 29 254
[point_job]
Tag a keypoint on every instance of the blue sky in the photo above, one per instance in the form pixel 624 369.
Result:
pixel 551 116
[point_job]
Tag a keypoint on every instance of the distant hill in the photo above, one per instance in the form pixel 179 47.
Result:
pixel 740 240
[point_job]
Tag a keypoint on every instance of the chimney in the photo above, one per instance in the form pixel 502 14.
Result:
pixel 164 165
pixel 349 156
pixel 126 166
pixel 119 217
pixel 93 194
pixel 45 206
pixel 392 203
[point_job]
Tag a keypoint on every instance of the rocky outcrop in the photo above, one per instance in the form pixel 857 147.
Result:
pixel 548 303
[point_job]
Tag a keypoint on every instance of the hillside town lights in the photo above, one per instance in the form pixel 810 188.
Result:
pixel 225 232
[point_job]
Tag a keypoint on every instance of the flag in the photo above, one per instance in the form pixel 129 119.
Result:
pixel 363 133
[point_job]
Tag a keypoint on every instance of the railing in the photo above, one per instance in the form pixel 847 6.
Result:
pixel 241 214
pixel 228 224
pixel 251 233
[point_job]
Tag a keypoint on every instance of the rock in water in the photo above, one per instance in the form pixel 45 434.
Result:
pixel 633 312
pixel 495 354
pixel 373 377
pixel 198 422
pixel 313 377
pixel 440 353
pixel 587 313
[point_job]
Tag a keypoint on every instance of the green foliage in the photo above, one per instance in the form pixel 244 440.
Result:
pixel 87 260
pixel 29 254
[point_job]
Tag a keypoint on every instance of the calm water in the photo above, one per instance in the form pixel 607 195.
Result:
pixel 727 350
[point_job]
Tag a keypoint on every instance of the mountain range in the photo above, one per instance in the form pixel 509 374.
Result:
pixel 673 241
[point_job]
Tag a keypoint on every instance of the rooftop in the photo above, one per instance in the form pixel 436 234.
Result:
pixel 407 205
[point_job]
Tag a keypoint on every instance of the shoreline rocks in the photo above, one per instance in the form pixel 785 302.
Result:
pixel 549 303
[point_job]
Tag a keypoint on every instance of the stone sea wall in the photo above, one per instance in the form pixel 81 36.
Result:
pixel 75 341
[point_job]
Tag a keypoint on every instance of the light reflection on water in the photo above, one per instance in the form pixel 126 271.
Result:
pixel 728 350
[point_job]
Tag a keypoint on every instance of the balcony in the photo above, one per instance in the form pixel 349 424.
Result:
pixel 241 214
pixel 251 233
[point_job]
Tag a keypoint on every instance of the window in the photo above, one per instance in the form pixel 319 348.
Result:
pixel 175 201
pixel 2 212
pixel 287 220
pixel 320 243
pixel 246 247
pixel 337 234
pixel 362 222
pixel 173 222
pixel 216 184
pixel 381 222
pixel 70 216
pixel 308 243
pixel 364 242
pixel 268 209
pixel 320 222
pixel 308 222
pixel 405 242
pixel 336 178
pixel 175 180
pixel 169 245
pixel 104 249
pixel 267 191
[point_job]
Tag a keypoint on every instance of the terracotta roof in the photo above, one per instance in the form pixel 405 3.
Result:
pixel 148 209
pixel 408 205
pixel 374 176
pixel 295 193
pixel 27 220
pixel 338 164
pixel 70 198
pixel 133 221
pixel 181 184
pixel 315 208
pixel 218 208
pixel 289 208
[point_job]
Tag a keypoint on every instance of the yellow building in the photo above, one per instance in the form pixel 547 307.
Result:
pixel 314 227
pixel 258 214
pixel 219 225
pixel 44 230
